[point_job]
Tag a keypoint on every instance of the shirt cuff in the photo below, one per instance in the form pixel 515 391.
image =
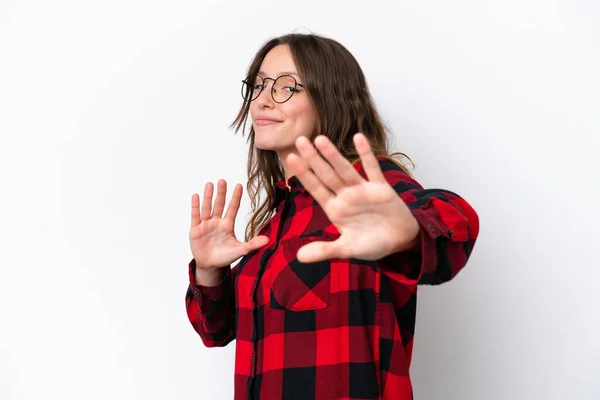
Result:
pixel 203 293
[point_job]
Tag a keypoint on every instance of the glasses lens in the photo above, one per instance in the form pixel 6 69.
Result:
pixel 284 88
pixel 251 87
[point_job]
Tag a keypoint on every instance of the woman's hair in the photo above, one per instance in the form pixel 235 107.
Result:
pixel 337 89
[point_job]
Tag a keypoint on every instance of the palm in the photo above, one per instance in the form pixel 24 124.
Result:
pixel 215 242
pixel 359 214
pixel 212 236
pixel 372 219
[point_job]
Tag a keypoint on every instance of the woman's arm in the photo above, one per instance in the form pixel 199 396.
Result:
pixel 210 304
pixel 449 227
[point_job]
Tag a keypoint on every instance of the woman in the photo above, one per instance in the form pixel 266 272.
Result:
pixel 323 301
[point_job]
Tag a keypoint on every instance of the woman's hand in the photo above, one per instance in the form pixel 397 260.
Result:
pixel 371 217
pixel 212 237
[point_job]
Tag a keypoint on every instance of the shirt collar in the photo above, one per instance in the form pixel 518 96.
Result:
pixel 281 189
pixel 296 186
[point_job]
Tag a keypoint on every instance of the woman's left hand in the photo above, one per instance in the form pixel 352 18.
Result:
pixel 372 219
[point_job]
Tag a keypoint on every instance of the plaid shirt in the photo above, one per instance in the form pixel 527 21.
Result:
pixel 336 329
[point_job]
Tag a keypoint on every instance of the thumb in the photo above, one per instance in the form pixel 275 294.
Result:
pixel 319 251
pixel 257 242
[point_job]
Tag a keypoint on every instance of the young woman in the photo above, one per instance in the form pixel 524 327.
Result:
pixel 322 303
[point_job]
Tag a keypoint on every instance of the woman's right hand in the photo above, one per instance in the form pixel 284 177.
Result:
pixel 212 237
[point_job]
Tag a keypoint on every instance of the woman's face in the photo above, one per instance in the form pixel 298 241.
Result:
pixel 278 125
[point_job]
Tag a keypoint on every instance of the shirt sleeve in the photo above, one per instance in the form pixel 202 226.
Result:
pixel 449 227
pixel 211 310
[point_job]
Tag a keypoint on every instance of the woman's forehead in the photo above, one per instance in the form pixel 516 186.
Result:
pixel 277 62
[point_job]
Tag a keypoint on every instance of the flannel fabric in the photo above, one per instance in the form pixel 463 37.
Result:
pixel 335 329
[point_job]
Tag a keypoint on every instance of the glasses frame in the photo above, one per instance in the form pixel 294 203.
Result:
pixel 246 85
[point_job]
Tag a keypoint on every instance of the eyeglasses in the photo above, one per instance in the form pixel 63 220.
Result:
pixel 282 90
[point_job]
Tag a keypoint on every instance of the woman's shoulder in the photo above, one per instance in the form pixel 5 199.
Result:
pixel 394 171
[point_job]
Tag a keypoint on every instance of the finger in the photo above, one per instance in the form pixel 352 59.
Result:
pixel 368 159
pixel 342 166
pixel 195 209
pixel 234 204
pixel 317 163
pixel 311 183
pixel 220 200
pixel 257 242
pixel 320 250
pixel 207 201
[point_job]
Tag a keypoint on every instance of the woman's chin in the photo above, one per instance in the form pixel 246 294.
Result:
pixel 267 143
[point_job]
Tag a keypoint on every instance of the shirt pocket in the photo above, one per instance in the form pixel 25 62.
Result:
pixel 300 286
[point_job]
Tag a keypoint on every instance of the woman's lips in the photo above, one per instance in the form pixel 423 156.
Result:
pixel 266 122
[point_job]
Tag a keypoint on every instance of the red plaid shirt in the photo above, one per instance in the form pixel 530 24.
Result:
pixel 336 329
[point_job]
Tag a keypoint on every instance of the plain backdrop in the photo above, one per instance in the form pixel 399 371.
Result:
pixel 112 113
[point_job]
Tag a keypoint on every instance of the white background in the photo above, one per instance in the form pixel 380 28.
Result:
pixel 112 113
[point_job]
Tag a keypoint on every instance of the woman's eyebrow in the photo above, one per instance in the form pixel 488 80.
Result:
pixel 281 73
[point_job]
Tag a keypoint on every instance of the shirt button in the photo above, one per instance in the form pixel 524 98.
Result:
pixel 451 232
